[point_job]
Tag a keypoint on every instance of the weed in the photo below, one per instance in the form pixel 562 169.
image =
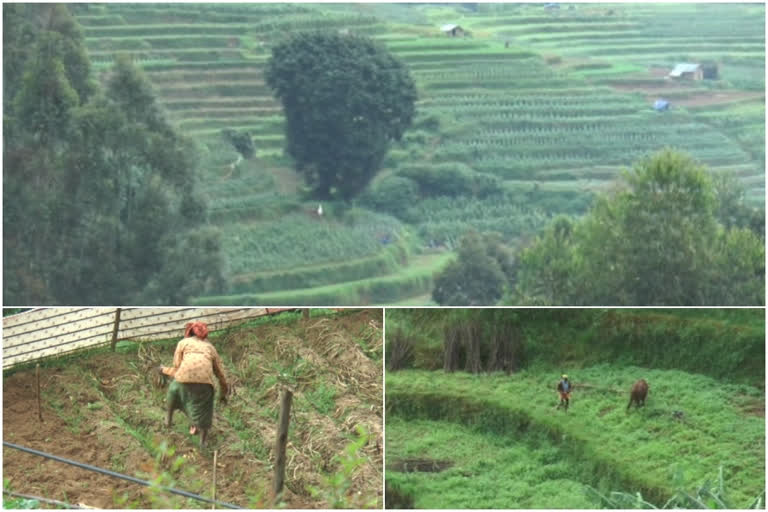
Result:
pixel 335 490
pixel 322 398
pixel 710 495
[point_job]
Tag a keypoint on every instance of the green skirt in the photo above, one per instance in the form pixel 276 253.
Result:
pixel 193 399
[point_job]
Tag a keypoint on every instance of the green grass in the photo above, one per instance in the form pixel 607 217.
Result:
pixel 385 262
pixel 490 470
pixel 636 451
pixel 416 279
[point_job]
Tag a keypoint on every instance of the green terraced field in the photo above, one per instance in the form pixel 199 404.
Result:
pixel 492 439
pixel 597 443
pixel 564 107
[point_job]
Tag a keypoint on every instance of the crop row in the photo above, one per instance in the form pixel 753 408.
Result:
pixel 518 30
pixel 249 91
pixel 498 85
pixel 543 94
pixel 542 113
pixel 445 220
pixel 298 240
pixel 173 104
pixel 451 58
pixel 227 113
pixel 676 49
pixel 524 101
pixel 598 141
pixel 233 75
pixel 528 167
pixel 434 44
pixel 181 54
pixel 490 72
pixel 382 263
pixel 145 43
pixel 169 29
pixel 412 281
pixel 672 127
pixel 313 21
pixel 682 40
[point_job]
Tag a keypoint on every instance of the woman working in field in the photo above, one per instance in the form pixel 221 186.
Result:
pixel 195 362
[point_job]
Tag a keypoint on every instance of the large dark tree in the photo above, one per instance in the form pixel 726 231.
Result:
pixel 100 195
pixel 345 98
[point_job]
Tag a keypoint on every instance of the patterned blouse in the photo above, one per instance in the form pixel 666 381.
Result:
pixel 196 361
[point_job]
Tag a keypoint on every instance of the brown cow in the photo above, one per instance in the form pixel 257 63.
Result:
pixel 638 393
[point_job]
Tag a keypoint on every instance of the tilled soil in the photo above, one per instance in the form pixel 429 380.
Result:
pixel 103 410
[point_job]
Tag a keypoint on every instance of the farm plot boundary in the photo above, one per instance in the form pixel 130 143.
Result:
pixel 45 332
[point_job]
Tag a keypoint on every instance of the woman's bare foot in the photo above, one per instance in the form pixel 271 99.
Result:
pixel 193 430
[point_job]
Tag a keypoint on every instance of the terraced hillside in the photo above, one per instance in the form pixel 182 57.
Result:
pixel 486 439
pixel 581 106
pixel 543 100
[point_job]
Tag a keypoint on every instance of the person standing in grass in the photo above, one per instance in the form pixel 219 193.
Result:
pixel 195 363
pixel 564 387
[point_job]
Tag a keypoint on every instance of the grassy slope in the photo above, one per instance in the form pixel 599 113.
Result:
pixel 707 363
pixel 684 339
pixel 640 450
pixel 526 473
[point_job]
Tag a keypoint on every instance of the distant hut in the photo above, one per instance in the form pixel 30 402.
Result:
pixel 687 71
pixel 660 105
pixel 452 30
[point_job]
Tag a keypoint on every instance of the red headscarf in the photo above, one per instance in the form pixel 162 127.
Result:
pixel 198 329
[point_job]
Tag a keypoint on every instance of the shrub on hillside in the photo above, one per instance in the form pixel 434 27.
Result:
pixel 392 194
pixel 242 142
pixel 451 179
pixel 658 240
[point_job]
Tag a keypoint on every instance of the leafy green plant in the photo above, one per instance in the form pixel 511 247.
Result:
pixel 322 398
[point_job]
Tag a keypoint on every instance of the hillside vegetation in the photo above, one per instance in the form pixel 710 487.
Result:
pixel 543 105
pixel 705 410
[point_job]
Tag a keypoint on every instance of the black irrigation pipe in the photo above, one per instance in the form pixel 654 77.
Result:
pixel 40 499
pixel 119 475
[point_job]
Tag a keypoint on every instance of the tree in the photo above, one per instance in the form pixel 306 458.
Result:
pixel 732 209
pixel 100 196
pixel 345 98
pixel 480 274
pixel 546 269
pixel 656 241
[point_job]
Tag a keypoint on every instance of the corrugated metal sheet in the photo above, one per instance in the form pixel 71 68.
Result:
pixel 684 68
pixel 47 332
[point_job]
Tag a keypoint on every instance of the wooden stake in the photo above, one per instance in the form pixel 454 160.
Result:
pixel 282 440
pixel 305 314
pixel 116 328
pixel 39 408
pixel 215 454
